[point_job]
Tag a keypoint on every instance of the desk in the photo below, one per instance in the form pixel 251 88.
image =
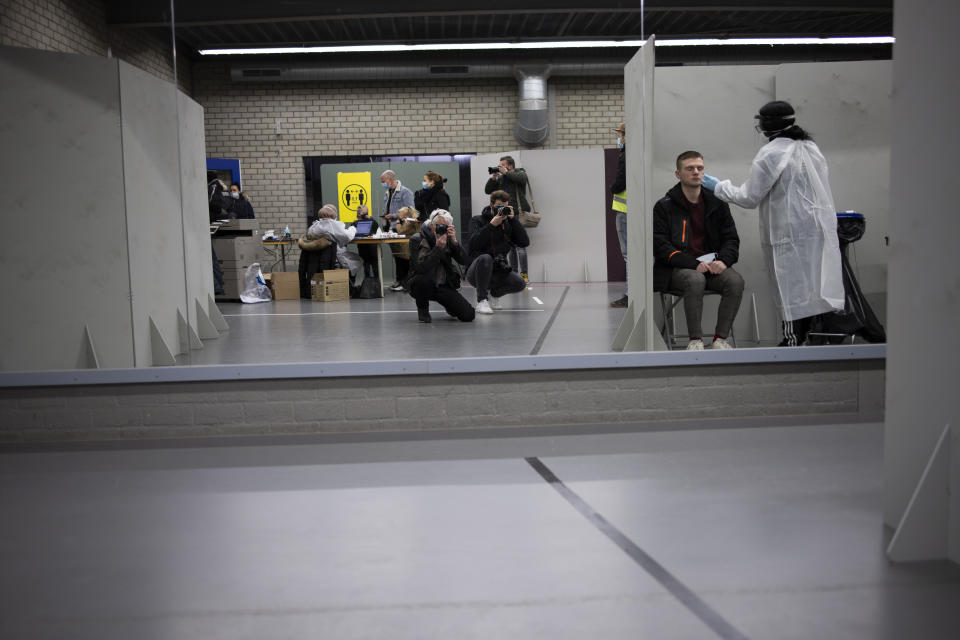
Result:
pixel 380 241
pixel 283 244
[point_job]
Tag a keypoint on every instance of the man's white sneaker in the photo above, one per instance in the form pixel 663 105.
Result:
pixel 721 343
pixel 495 303
pixel 396 286
pixel 695 345
pixel 484 307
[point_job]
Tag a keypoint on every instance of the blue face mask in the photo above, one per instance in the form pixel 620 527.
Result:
pixel 384 185
pixel 619 143
pixel 234 195
pixel 425 184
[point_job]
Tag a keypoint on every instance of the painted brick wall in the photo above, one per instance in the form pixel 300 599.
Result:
pixel 400 117
pixel 80 26
pixel 820 391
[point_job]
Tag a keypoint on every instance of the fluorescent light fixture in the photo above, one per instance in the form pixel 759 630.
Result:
pixel 564 44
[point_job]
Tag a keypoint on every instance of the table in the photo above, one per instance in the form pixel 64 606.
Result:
pixel 380 241
pixel 283 244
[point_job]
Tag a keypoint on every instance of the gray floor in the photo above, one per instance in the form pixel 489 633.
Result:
pixel 387 328
pixel 777 531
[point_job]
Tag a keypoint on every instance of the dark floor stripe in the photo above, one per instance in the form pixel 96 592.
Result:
pixel 546 329
pixel 679 590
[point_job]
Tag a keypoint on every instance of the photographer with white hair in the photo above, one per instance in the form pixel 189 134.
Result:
pixel 434 274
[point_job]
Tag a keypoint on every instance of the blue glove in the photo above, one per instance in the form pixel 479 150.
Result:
pixel 709 182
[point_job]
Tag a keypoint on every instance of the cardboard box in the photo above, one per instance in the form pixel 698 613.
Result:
pixel 330 286
pixel 285 285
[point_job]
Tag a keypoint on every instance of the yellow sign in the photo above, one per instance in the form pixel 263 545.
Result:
pixel 353 190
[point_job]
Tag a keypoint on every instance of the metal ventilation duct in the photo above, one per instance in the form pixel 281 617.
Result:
pixel 531 127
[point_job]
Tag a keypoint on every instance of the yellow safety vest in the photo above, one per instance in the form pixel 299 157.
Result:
pixel 620 201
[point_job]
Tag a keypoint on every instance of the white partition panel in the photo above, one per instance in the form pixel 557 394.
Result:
pixel 199 260
pixel 63 255
pixel 923 362
pixel 155 232
pixel 568 246
pixel 637 328
pixel 846 106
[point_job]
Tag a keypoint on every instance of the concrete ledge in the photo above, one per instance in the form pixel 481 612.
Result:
pixel 823 390
pixel 645 359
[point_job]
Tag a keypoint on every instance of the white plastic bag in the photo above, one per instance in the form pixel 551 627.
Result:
pixel 254 288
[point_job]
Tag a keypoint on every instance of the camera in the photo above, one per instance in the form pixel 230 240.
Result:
pixel 501 264
pixel 493 169
pixel 502 210
pixel 440 229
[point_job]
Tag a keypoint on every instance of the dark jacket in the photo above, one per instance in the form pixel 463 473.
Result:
pixel 426 258
pixel 671 225
pixel 216 200
pixel 426 200
pixel 494 241
pixel 514 183
pixel 240 208
pixel 620 182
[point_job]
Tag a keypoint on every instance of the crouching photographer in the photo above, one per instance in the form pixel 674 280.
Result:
pixel 434 253
pixel 493 235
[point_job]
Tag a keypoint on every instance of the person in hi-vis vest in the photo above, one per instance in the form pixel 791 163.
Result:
pixel 619 206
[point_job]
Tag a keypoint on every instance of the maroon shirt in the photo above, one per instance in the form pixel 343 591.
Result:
pixel 696 231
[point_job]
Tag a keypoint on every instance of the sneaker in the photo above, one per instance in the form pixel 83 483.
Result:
pixel 622 303
pixel 396 286
pixel 721 343
pixel 695 345
pixel 525 278
pixel 424 315
pixel 484 307
pixel 495 303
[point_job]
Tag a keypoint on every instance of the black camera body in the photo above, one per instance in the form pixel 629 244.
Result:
pixel 502 209
pixel 440 229
pixel 493 169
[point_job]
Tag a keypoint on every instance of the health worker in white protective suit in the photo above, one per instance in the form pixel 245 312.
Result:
pixel 798 221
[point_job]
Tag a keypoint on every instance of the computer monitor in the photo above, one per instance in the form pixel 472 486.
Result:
pixel 364 227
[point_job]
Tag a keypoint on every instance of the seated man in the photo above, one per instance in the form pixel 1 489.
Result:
pixel 433 274
pixel 493 235
pixel 695 245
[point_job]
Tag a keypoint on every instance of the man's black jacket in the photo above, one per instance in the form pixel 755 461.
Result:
pixel 671 234
pixel 494 241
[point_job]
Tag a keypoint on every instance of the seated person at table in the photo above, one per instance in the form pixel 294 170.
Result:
pixel 368 252
pixel 434 253
pixel 493 235
pixel 406 225
pixel 324 247
pixel 695 245
pixel 239 206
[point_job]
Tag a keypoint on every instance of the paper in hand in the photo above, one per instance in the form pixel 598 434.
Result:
pixel 707 257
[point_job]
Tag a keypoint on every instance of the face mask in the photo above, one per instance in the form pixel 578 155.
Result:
pixel 384 185
pixel 234 195
pixel 425 185
pixel 619 143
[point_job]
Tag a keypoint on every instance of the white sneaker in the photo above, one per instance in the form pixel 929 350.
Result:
pixel 484 307
pixel 721 343
pixel 396 287
pixel 695 345
pixel 495 303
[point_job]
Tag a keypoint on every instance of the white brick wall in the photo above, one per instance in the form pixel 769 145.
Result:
pixel 80 26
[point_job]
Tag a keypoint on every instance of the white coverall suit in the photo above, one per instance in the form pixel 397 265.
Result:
pixel 798 225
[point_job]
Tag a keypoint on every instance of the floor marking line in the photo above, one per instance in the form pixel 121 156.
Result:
pixel 656 570
pixel 537 300
pixel 546 329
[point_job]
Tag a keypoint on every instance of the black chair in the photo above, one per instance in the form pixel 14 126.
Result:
pixel 668 306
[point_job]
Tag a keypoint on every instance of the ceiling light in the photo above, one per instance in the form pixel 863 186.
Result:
pixel 565 44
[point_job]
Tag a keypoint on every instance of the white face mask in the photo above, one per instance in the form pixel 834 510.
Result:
pixel 234 194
